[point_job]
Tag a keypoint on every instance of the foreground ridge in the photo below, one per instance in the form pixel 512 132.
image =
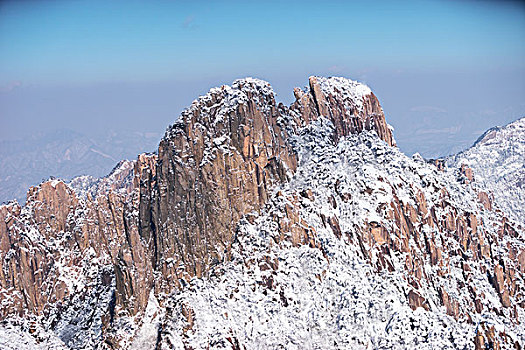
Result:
pixel 259 225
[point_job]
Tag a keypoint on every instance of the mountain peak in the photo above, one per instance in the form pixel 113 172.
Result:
pixel 352 92
pixel 349 105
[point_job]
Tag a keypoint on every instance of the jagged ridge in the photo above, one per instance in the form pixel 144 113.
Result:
pixel 237 155
pixel 498 161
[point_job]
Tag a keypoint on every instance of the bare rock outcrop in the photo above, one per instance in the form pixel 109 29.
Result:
pixel 350 106
pixel 228 150
pixel 61 247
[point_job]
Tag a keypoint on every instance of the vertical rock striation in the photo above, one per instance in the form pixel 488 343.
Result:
pixel 227 151
pixel 173 214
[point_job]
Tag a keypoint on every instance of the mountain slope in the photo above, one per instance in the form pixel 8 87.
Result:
pixel 264 226
pixel 374 255
pixel 498 161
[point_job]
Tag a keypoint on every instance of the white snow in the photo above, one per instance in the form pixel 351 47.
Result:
pixel 352 92
pixel 147 335
pixel 498 162
pixel 334 298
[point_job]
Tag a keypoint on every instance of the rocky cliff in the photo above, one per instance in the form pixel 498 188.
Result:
pixel 263 225
pixel 227 152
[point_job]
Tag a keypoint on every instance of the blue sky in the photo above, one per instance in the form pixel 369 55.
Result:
pixel 85 41
pixel 162 54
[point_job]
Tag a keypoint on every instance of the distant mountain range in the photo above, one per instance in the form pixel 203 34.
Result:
pixel 65 154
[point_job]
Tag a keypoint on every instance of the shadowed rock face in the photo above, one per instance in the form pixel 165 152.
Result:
pixel 156 222
pixel 217 163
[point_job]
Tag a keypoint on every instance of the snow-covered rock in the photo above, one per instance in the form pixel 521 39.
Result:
pixel 259 226
pixel 498 161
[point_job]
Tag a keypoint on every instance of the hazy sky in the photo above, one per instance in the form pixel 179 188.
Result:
pixel 443 70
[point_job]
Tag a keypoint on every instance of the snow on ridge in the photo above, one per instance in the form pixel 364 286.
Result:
pixel 328 85
pixel 351 90
pixel 511 128
pixel 343 302
pixel 498 161
pixel 254 83
pixel 226 98
pixel 121 173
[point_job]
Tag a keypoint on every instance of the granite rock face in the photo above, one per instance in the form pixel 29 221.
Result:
pixel 97 262
pixel 63 247
pixel 217 163
pixel 225 154
pixel 350 106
